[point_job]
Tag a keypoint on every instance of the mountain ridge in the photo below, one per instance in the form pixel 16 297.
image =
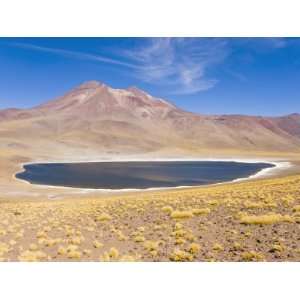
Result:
pixel 93 84
pixel 102 119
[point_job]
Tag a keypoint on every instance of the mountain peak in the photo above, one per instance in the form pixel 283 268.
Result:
pixel 92 84
pixel 135 90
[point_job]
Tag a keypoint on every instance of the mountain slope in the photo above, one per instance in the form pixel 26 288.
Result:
pixel 95 119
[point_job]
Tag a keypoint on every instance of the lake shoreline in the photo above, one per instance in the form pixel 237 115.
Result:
pixel 277 168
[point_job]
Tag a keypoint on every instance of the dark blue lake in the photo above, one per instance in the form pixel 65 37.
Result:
pixel 137 175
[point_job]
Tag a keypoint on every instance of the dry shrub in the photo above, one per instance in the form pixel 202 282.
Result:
pixel 236 246
pixel 252 204
pixel 296 208
pixel 4 248
pixel 181 255
pixel 200 211
pixel 113 253
pixel 276 248
pixel 184 214
pixel 194 248
pixel 167 209
pixel 139 239
pixel 31 256
pixel 74 254
pixel 252 256
pixel 103 217
pixel 41 234
pixel 265 219
pixel 218 247
pixel 151 245
pixel 179 241
pixel 61 250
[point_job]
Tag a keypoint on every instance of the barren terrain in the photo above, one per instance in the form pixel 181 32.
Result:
pixel 249 221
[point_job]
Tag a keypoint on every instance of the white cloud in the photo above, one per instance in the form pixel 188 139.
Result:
pixel 178 64
pixel 181 64
pixel 261 44
pixel 73 54
pixel 277 42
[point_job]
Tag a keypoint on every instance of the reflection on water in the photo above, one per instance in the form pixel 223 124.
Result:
pixel 137 175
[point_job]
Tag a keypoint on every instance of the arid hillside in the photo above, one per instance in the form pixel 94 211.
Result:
pixel 95 119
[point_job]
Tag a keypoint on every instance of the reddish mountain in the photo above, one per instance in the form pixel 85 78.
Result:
pixel 95 118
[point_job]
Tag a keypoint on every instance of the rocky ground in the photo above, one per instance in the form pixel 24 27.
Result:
pixel 248 221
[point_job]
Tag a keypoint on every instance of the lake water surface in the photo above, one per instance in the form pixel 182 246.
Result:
pixel 137 175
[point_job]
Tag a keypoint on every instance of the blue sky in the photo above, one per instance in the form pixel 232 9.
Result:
pixel 256 76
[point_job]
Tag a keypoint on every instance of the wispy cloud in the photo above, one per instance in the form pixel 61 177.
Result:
pixel 74 54
pixel 181 64
pixel 262 44
pixel 277 42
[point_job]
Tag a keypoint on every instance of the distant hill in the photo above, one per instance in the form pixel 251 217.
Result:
pixel 94 118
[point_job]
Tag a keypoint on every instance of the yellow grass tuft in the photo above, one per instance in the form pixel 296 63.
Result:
pixel 213 202
pixel 194 248
pixel 74 254
pixel 218 247
pixel 252 256
pixel 141 229
pixel 103 217
pixel 265 219
pixel 252 204
pixel 75 240
pixel 31 256
pixel 179 241
pixel 51 242
pixel 201 211
pixel 167 209
pixel 122 236
pixel 151 245
pixel 41 234
pixel 179 233
pixel 181 255
pixel 113 253
pixel 139 239
pixel 178 226
pixel 184 214
pixel 276 248
pixel 61 250
pixel 4 248
pixel 237 246
pixel 71 248
pixel 296 208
